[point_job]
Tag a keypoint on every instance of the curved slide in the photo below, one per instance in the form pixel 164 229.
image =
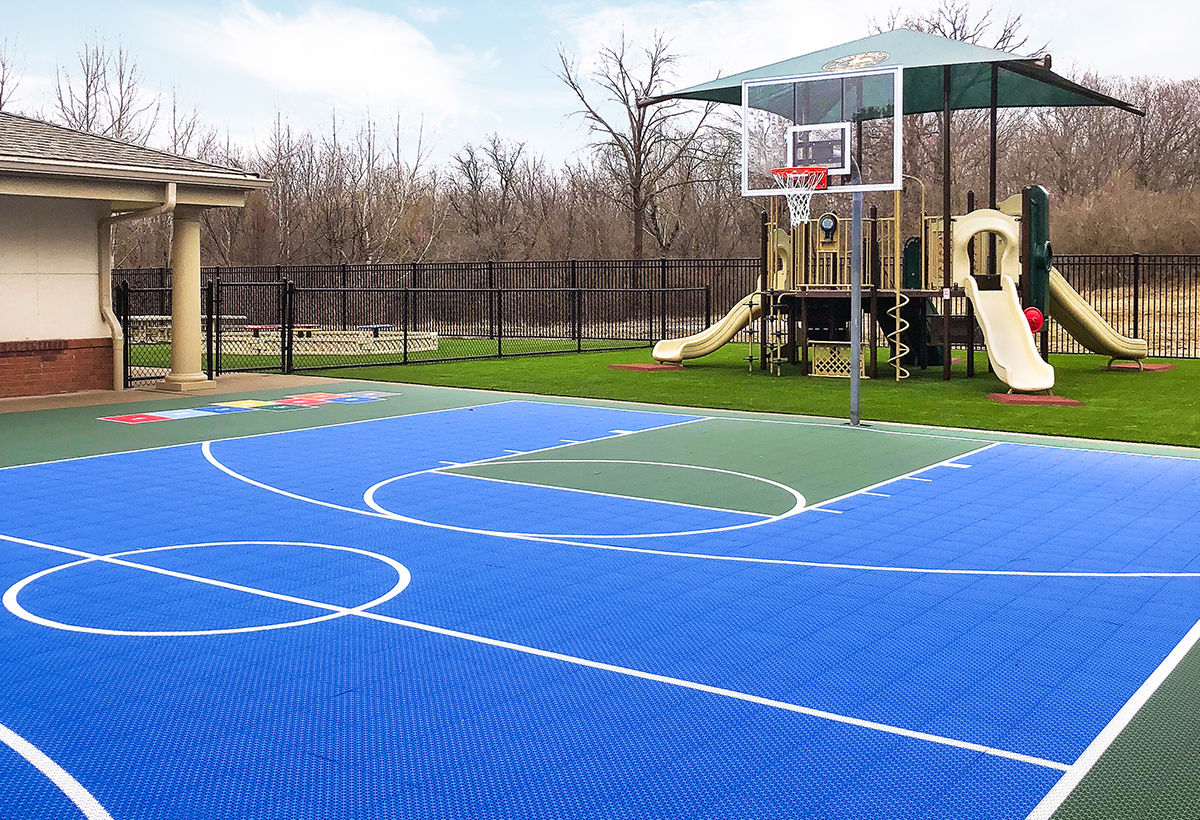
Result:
pixel 1010 344
pixel 708 340
pixel 1087 326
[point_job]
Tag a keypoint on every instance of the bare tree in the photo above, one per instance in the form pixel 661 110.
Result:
pixel 954 19
pixel 11 72
pixel 105 95
pixel 640 149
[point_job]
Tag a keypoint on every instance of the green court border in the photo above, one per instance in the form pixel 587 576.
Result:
pixel 1149 771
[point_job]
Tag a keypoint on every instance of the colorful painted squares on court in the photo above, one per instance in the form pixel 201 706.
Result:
pixel 300 401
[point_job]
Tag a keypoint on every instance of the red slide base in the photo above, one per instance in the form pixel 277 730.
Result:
pixel 1032 398
pixel 655 366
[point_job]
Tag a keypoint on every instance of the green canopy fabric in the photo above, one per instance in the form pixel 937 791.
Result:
pixel 1022 83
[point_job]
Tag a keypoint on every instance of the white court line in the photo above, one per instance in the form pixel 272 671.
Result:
pixel 13 605
pixel 834 424
pixel 877 495
pixel 798 507
pixel 56 774
pixel 822 509
pixel 957 465
pixel 450 463
pixel 590 492
pixel 272 433
pixel 361 612
pixel 516 452
pixel 696 555
pixel 914 478
pixel 1063 788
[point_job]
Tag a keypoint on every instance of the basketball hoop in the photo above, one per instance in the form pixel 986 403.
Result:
pixel 799 185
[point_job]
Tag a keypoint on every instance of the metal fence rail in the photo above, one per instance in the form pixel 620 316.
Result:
pixel 597 304
pixel 729 279
pixel 277 326
pixel 1151 297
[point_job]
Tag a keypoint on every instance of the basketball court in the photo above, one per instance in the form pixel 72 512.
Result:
pixel 437 603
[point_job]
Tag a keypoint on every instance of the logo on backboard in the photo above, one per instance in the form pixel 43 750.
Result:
pixel 864 60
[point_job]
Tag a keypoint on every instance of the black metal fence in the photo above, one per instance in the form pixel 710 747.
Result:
pixel 728 279
pixel 1151 297
pixel 280 326
pixel 350 315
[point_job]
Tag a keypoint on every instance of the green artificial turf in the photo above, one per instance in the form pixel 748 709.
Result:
pixel 1157 407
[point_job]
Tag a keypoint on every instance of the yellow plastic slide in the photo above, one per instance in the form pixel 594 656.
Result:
pixel 706 341
pixel 1087 326
pixel 1010 343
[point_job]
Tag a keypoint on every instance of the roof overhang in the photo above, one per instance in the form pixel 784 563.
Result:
pixel 126 187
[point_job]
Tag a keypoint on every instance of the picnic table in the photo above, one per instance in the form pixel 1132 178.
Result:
pixel 299 330
pixel 375 329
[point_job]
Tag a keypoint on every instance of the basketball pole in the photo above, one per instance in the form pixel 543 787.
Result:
pixel 856 252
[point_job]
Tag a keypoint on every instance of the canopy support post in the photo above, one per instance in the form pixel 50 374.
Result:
pixel 946 278
pixel 992 196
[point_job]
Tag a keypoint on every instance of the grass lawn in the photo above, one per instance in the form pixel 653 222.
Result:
pixel 1157 407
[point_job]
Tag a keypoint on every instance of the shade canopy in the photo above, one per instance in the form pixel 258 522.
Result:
pixel 1022 83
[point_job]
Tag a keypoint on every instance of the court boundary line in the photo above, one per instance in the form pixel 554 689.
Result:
pixel 257 435
pixel 699 555
pixel 871 425
pixel 362 611
pixel 1086 761
pixel 74 791
pixel 872 428
pixel 677 410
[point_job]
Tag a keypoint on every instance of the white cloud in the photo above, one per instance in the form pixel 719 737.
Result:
pixel 348 56
pixel 721 36
pixel 427 14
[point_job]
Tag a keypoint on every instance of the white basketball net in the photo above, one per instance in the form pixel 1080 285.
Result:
pixel 799 185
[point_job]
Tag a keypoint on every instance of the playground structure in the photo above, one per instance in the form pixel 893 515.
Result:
pixel 983 276
pixel 801 315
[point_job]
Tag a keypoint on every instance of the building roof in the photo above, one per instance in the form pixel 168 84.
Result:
pixel 33 146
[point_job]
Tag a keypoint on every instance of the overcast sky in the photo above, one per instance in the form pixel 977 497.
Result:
pixel 467 69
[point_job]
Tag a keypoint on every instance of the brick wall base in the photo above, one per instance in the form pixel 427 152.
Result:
pixel 45 366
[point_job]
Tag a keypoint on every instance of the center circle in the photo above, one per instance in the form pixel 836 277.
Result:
pixel 798 501
pixel 11 603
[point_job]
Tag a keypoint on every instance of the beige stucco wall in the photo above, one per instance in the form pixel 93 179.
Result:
pixel 49 269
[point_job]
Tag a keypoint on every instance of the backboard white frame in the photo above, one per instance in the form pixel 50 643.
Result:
pixel 844 127
pixel 897 129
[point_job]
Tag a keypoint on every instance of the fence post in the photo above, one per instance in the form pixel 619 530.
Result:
pixel 491 283
pixel 412 283
pixel 286 331
pixel 1137 276
pixel 662 283
pixel 220 346
pixel 708 306
pixel 576 307
pixel 345 307
pixel 404 324
pixel 499 322
pixel 208 334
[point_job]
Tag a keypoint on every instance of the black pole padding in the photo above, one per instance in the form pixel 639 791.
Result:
pixel 210 325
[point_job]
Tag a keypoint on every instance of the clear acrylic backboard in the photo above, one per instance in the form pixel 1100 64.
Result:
pixel 842 121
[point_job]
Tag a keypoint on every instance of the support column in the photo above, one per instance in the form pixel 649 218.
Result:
pixel 187 372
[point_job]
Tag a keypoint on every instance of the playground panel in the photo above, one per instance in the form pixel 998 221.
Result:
pixel 944 636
